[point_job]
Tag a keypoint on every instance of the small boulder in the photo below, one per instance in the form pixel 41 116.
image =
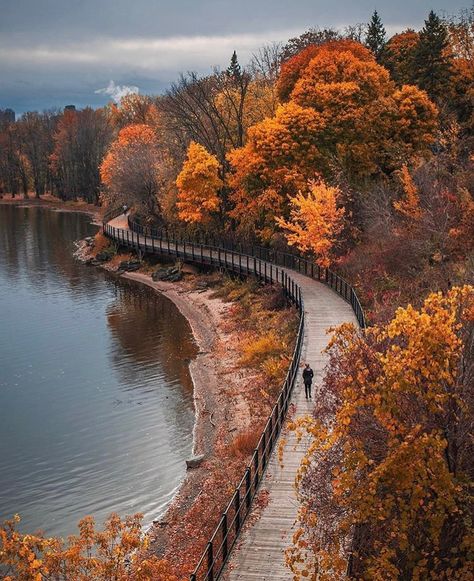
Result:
pixel 129 266
pixel 194 462
pixel 171 274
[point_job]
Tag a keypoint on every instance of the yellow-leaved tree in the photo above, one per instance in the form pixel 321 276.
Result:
pixel 198 185
pixel 315 221
pixel 116 553
pixel 384 488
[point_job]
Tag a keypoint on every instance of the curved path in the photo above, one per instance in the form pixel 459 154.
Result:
pixel 259 553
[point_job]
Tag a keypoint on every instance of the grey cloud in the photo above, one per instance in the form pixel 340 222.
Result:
pixel 75 19
pixel 53 52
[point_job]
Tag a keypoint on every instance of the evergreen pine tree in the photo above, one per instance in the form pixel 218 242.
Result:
pixel 433 62
pixel 375 38
pixel 234 71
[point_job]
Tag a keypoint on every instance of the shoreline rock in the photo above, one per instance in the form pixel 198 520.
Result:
pixel 194 462
pixel 170 274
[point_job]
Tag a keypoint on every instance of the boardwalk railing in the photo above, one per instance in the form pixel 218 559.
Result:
pixel 220 544
pixel 264 264
pixel 111 214
pixel 287 260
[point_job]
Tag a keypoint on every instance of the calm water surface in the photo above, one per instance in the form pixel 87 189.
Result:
pixel 96 411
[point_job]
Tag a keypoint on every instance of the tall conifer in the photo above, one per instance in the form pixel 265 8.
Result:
pixel 433 61
pixel 234 70
pixel 375 38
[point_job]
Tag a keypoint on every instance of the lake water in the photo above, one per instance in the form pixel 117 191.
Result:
pixel 96 410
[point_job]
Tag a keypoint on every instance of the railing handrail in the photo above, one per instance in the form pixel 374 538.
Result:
pixel 216 554
pixel 271 255
pixel 111 213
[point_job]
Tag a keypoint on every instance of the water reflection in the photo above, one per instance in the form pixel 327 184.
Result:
pixel 95 395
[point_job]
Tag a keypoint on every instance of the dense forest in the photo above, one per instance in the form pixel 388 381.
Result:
pixel 357 150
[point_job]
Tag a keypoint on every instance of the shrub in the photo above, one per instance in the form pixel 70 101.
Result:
pixel 257 350
pixel 245 442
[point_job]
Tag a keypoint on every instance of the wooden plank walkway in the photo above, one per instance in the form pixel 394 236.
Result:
pixel 259 553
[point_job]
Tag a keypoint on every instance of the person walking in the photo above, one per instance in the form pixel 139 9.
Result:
pixel 308 375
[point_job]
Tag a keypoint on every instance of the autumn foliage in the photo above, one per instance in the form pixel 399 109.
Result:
pixel 399 56
pixel 293 69
pixel 198 185
pixel 281 155
pixel 343 113
pixel 114 554
pixel 409 206
pixel 315 221
pixel 369 125
pixel 384 486
pixel 134 169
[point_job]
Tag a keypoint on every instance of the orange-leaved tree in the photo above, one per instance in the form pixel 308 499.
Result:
pixel 344 115
pixel 370 127
pixel 384 488
pixel 118 553
pixel 409 205
pixel 293 68
pixel 135 169
pixel 280 156
pixel 198 185
pixel 315 221
pixel 290 71
pixel 399 56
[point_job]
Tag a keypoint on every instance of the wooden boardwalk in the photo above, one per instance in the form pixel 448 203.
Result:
pixel 259 553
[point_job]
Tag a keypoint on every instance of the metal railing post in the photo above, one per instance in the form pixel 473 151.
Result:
pixel 225 548
pixel 237 511
pixel 264 445
pixel 248 485
pixel 210 562
pixel 270 436
pixel 255 466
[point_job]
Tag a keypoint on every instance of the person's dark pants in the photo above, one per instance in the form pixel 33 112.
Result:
pixel 307 390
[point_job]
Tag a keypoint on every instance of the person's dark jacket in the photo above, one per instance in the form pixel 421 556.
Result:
pixel 308 375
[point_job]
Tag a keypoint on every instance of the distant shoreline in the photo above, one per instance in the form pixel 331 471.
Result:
pixel 55 204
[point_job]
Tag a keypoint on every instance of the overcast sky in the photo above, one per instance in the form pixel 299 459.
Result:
pixel 59 52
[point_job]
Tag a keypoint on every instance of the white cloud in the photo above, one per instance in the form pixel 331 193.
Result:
pixel 117 92
pixel 147 55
